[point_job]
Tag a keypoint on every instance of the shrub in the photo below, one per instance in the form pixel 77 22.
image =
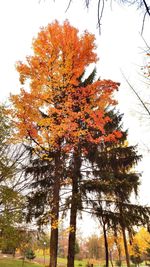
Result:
pixel 29 254
pixel 136 259
pixel 118 263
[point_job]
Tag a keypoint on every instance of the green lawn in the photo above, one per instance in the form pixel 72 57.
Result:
pixel 77 263
pixel 16 263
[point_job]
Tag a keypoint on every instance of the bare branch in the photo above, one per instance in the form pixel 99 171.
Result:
pixel 146 7
pixel 143 23
pixel 142 102
pixel 68 5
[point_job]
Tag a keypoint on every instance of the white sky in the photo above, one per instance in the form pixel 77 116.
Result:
pixel 120 46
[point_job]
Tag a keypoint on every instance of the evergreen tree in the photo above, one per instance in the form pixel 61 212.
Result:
pixel 76 177
pixel 114 179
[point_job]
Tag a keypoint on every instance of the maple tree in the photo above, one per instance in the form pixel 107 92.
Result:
pixel 57 111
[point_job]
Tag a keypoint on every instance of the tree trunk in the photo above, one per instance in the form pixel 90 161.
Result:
pixel 111 258
pixel 126 247
pixel 124 235
pixel 73 211
pixel 106 245
pixel 118 248
pixel 55 214
pixel 72 232
pixel 119 252
pixel 119 255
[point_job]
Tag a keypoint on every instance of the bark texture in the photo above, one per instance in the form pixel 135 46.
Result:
pixel 55 214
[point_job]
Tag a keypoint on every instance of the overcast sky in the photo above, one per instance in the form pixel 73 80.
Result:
pixel 119 47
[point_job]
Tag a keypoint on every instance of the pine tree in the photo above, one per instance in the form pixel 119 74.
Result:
pixel 114 179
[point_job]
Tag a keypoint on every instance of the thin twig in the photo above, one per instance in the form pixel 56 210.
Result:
pixel 68 5
pixel 143 22
pixel 143 104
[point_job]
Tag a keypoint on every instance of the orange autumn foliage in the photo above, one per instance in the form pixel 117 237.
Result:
pixel 58 108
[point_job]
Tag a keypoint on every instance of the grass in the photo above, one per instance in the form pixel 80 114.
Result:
pixel 77 263
pixel 17 263
pixel 61 262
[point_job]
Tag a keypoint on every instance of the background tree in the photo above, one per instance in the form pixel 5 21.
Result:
pixel 93 247
pixel 141 239
pixel 10 218
pixel 6 167
pixel 12 202
pixel 63 241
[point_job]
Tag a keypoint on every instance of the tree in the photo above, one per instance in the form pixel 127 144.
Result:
pixel 93 247
pixel 12 159
pixel 114 181
pixel 75 172
pixel 11 200
pixel 141 240
pixel 56 113
pixel 10 218
pixel 6 166
pixel 63 242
